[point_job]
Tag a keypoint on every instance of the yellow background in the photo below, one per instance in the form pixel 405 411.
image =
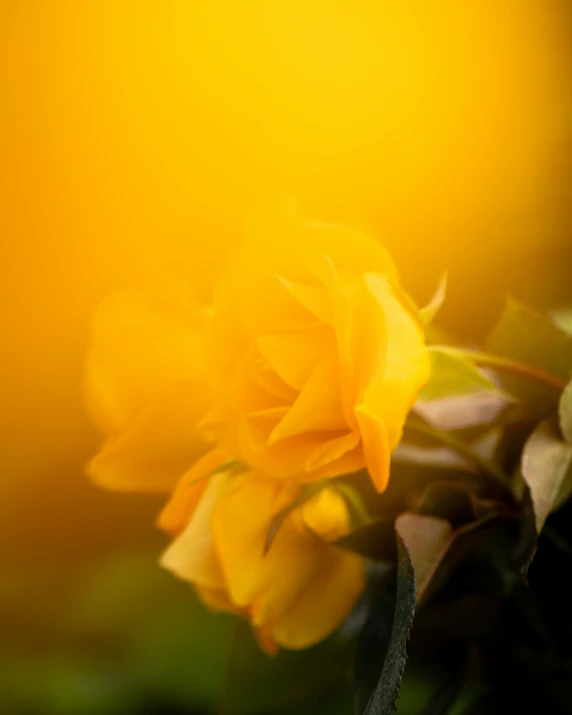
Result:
pixel 141 134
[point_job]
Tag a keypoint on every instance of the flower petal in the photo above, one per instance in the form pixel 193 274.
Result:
pixel 139 346
pixel 188 492
pixel 191 556
pixel 294 356
pixel 299 567
pixel 158 447
pixel 375 446
pixel 325 602
pixel 313 298
pixel 318 407
pixel 390 393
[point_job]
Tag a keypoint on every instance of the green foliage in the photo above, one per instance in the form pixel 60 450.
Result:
pixel 380 660
pixel 547 470
pixel 454 376
pixel 531 338
pixel 427 539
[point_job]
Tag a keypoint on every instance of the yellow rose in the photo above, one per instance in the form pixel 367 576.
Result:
pixel 294 595
pixel 315 353
pixel 146 388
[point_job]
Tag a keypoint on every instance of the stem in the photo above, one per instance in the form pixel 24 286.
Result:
pixel 462 449
pixel 508 365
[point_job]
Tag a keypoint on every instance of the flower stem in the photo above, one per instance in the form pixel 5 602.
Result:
pixel 504 364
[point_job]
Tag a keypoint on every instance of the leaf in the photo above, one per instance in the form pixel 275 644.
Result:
pixel 450 501
pixel 428 313
pixel 453 375
pixel 429 454
pixel 547 470
pixel 565 413
pixel 530 337
pixel 374 541
pixel 428 539
pixel 381 655
pixel 458 394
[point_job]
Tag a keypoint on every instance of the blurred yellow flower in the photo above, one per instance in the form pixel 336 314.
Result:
pixel 314 352
pixel 146 388
pixel 294 595
pixel 304 369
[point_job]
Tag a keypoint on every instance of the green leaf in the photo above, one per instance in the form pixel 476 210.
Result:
pixel 375 541
pixel 448 500
pixel 531 337
pixel 453 376
pixel 565 413
pixel 547 470
pixel 380 660
pixel 428 313
pixel 428 539
pixel 458 394
pixel 527 336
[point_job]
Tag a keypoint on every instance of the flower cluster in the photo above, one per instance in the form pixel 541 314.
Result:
pixel 302 370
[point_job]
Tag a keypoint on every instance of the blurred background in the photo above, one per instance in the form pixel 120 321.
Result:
pixel 137 135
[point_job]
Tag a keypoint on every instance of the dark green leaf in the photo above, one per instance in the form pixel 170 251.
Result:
pixel 375 541
pixel 450 501
pixel 547 469
pixel 380 661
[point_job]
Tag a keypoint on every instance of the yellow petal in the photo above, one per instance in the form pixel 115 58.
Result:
pixel 318 408
pixel 375 446
pixel 275 584
pixel 188 492
pixel 138 348
pixel 192 556
pixel 217 600
pixel 332 450
pixel 158 447
pixel 390 393
pixel 313 298
pixel 350 249
pixel 294 356
pixel 326 514
pixel 255 388
pixel 326 601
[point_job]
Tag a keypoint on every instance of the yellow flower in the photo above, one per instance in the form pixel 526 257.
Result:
pixel 315 352
pixel 297 593
pixel 146 388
